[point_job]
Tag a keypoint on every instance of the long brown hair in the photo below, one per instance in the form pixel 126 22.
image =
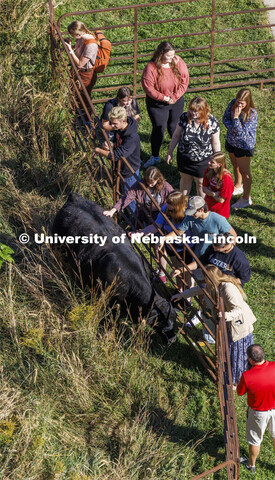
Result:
pixel 163 48
pixel 244 95
pixel 76 27
pixel 200 105
pixel 153 174
pixel 218 278
pixel 179 203
pixel 126 92
pixel 219 157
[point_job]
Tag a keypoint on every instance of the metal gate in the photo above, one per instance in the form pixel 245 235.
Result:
pixel 210 45
pixel 85 132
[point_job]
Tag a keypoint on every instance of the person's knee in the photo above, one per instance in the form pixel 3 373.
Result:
pixel 245 172
pixel 186 179
pixel 171 127
pixel 158 130
pixel 198 182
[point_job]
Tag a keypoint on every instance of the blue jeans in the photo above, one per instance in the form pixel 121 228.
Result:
pixel 129 182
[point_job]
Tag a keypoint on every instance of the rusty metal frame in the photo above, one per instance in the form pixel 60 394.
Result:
pixel 108 177
pixel 215 79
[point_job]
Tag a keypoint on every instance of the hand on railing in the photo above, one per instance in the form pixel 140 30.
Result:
pixel 105 146
pixel 177 272
pixel 160 246
pixel 101 151
pixel 109 213
pixel 177 297
pixel 69 47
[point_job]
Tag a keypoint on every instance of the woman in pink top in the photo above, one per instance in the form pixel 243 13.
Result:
pixel 164 80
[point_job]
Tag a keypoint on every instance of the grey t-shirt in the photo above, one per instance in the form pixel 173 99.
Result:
pixel 89 52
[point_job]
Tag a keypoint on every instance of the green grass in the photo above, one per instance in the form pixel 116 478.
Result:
pixel 185 10
pixel 85 395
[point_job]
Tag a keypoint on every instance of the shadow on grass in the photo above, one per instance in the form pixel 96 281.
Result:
pixel 257 249
pixel 162 425
pixel 248 213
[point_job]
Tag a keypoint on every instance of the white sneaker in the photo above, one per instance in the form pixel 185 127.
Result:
pixel 152 161
pixel 195 320
pixel 237 191
pixel 241 203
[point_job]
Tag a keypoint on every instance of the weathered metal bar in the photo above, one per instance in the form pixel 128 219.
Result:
pixel 243 72
pixel 200 88
pixel 144 5
pixel 212 50
pixel 216 469
pixel 240 59
pixel 168 221
pixel 201 357
pixel 194 49
pixel 154 39
pixel 248 27
pixel 125 7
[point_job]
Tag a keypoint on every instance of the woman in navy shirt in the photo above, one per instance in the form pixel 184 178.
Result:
pixel 240 119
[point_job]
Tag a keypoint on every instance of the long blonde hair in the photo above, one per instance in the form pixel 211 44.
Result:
pixel 76 27
pixel 218 278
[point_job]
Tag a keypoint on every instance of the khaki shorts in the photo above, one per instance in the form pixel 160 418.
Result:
pixel 256 424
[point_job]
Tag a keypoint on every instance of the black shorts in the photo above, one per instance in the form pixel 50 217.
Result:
pixel 239 152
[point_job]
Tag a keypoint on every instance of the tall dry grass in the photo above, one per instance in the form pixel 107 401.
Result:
pixel 77 396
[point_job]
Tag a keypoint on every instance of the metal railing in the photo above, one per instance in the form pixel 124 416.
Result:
pixel 85 132
pixel 212 79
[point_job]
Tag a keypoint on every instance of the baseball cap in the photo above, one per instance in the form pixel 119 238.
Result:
pixel 194 204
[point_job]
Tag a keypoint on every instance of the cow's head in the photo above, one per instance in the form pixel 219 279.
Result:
pixel 163 315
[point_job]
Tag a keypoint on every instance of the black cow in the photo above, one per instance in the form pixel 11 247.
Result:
pixel 111 262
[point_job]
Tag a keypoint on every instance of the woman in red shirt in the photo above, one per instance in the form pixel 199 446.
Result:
pixel 218 185
pixel 164 80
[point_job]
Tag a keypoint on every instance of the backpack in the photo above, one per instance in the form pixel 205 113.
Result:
pixel 103 53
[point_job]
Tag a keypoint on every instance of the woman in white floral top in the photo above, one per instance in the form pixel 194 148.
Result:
pixel 198 137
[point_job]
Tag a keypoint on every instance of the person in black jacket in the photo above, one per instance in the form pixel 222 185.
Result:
pixel 126 144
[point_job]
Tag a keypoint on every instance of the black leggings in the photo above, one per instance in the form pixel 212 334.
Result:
pixel 162 115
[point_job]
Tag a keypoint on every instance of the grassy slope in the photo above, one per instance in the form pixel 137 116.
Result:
pixel 80 402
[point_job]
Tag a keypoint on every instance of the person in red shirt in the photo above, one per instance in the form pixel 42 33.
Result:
pixel 218 185
pixel 164 80
pixel 259 384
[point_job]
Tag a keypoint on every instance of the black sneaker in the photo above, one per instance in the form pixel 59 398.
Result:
pixel 243 460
